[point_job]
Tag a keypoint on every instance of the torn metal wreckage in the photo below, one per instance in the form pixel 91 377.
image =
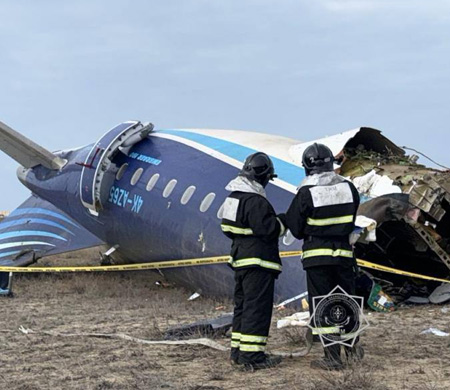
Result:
pixel 411 206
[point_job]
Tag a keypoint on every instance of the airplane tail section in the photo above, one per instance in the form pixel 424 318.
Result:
pixel 37 229
pixel 26 152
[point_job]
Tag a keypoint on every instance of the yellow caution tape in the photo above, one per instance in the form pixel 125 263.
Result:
pixel 135 267
pixel 194 262
pixel 126 267
pixel 366 264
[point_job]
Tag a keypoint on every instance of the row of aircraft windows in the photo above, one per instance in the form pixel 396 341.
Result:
pixel 187 195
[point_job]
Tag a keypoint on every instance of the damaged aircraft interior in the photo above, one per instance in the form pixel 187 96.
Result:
pixel 410 204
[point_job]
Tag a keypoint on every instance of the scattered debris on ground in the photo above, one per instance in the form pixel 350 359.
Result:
pixel 397 355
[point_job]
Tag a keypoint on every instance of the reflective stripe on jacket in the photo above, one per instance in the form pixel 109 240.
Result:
pixel 250 221
pixel 323 214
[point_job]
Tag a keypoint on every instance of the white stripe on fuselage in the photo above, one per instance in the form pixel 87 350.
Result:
pixel 274 145
pixel 220 156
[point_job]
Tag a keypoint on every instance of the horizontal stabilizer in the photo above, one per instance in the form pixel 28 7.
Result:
pixel 26 152
pixel 37 229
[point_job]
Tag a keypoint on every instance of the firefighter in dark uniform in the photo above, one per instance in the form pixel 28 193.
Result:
pixel 250 221
pixel 323 214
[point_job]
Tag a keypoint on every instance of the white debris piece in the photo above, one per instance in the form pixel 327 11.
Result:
pixel 365 230
pixel 296 319
pixel 194 296
pixel 296 298
pixel 374 185
pixel 436 332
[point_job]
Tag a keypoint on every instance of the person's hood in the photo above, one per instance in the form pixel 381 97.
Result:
pixel 322 179
pixel 244 184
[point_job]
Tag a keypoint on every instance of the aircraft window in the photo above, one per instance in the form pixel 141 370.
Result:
pixel 187 194
pixel 121 171
pixel 220 212
pixel 206 203
pixel 136 176
pixel 169 188
pixel 152 182
pixel 288 239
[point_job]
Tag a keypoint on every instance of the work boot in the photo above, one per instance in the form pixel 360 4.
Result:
pixel 354 354
pixel 331 360
pixel 234 357
pixel 6 292
pixel 268 362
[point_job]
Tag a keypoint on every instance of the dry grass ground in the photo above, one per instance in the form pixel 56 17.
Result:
pixel 397 356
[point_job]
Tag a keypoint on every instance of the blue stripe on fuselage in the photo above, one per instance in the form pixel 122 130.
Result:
pixel 9 253
pixel 28 221
pixel 287 172
pixel 41 211
pixel 25 233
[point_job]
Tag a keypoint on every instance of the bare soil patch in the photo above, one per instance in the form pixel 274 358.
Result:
pixel 397 356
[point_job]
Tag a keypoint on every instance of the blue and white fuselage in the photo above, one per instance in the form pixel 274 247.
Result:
pixel 165 201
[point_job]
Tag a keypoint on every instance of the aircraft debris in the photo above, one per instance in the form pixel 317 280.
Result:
pixel 417 300
pixel 296 319
pixel 290 300
pixel 162 284
pixel 106 257
pixel 441 294
pixel 208 327
pixel 379 300
pixel 374 185
pixel 436 332
pixel 365 230
pixel 410 205
pixel 194 296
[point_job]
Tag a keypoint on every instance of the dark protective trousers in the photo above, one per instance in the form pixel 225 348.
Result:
pixel 321 280
pixel 253 302
pixel 4 280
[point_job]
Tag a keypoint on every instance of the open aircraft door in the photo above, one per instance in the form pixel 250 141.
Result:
pixel 97 174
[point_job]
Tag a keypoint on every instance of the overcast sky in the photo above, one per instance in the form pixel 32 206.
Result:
pixel 298 68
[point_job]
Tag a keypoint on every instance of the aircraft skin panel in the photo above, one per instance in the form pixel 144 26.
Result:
pixel 37 229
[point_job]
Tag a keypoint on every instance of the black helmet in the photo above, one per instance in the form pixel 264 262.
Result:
pixel 258 167
pixel 317 158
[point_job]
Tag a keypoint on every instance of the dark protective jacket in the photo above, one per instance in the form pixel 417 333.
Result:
pixel 250 221
pixel 323 214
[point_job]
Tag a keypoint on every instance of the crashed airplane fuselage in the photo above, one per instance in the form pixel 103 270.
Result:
pixel 156 195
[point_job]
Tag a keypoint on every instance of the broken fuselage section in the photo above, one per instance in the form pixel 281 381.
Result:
pixel 411 205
